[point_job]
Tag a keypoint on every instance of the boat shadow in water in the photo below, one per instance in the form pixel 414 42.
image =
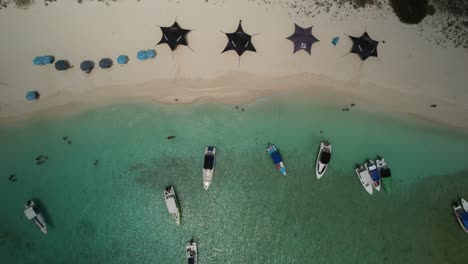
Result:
pixel 45 212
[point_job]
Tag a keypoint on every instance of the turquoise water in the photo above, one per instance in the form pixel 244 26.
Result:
pixel 115 213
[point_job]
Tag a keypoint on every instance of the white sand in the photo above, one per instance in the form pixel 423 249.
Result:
pixel 410 74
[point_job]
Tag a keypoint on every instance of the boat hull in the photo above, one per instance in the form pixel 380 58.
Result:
pixel 458 210
pixel 208 166
pixel 320 167
pixel 365 179
pixel 275 156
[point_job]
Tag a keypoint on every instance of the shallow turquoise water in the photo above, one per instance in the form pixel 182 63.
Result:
pixel 114 213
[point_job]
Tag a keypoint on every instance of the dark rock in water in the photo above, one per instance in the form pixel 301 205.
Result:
pixel 69 142
pixel 40 157
pixel 40 162
pixel 410 11
pixel 347 109
pixel 353 104
pixel 170 137
pixel 243 109
pixel 343 109
pixel 65 138
pixel 321 131
pixel 433 105
pixel 13 180
pixel 237 107
pixel 96 162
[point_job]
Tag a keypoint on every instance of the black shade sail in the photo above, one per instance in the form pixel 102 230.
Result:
pixel 174 36
pixel 302 38
pixel 364 46
pixel 239 41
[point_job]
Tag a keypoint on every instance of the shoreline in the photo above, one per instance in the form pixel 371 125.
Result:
pixel 367 97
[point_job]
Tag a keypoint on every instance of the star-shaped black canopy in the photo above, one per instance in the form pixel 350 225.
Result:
pixel 174 36
pixel 239 41
pixel 302 38
pixel 364 46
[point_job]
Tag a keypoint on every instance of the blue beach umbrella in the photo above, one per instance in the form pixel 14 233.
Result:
pixel 38 60
pixel 62 65
pixel 151 53
pixel 105 63
pixel 32 95
pixel 141 55
pixel 48 59
pixel 87 66
pixel 122 59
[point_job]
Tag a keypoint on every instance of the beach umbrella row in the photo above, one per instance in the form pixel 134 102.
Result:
pixel 88 65
pixel 240 42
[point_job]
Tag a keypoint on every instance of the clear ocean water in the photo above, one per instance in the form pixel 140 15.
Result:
pixel 115 212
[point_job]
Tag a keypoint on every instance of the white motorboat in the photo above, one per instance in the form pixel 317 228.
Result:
pixel 172 203
pixel 323 159
pixel 364 177
pixel 208 166
pixel 191 252
pixel 460 209
pixel 374 174
pixel 33 213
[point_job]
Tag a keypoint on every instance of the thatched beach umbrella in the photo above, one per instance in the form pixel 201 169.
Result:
pixel 105 63
pixel 239 41
pixel 62 65
pixel 122 59
pixel 364 46
pixel 302 38
pixel 87 66
pixel 174 36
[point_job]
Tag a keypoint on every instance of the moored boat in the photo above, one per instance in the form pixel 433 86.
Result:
pixel 172 203
pixel 364 178
pixel 208 166
pixel 385 173
pixel 33 213
pixel 191 252
pixel 275 156
pixel 461 213
pixel 323 159
pixel 374 174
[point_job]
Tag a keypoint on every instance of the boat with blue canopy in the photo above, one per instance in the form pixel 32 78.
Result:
pixel 275 156
pixel 374 174
pixel 460 209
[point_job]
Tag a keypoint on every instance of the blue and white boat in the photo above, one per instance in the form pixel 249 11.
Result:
pixel 374 174
pixel 276 158
pixel 460 209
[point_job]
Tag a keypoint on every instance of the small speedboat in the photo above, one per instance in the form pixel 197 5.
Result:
pixel 191 252
pixel 460 209
pixel 33 213
pixel 374 173
pixel 364 177
pixel 323 159
pixel 384 173
pixel 172 203
pixel 208 166
pixel 276 158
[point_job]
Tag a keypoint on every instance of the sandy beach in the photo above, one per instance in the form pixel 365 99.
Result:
pixel 410 74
